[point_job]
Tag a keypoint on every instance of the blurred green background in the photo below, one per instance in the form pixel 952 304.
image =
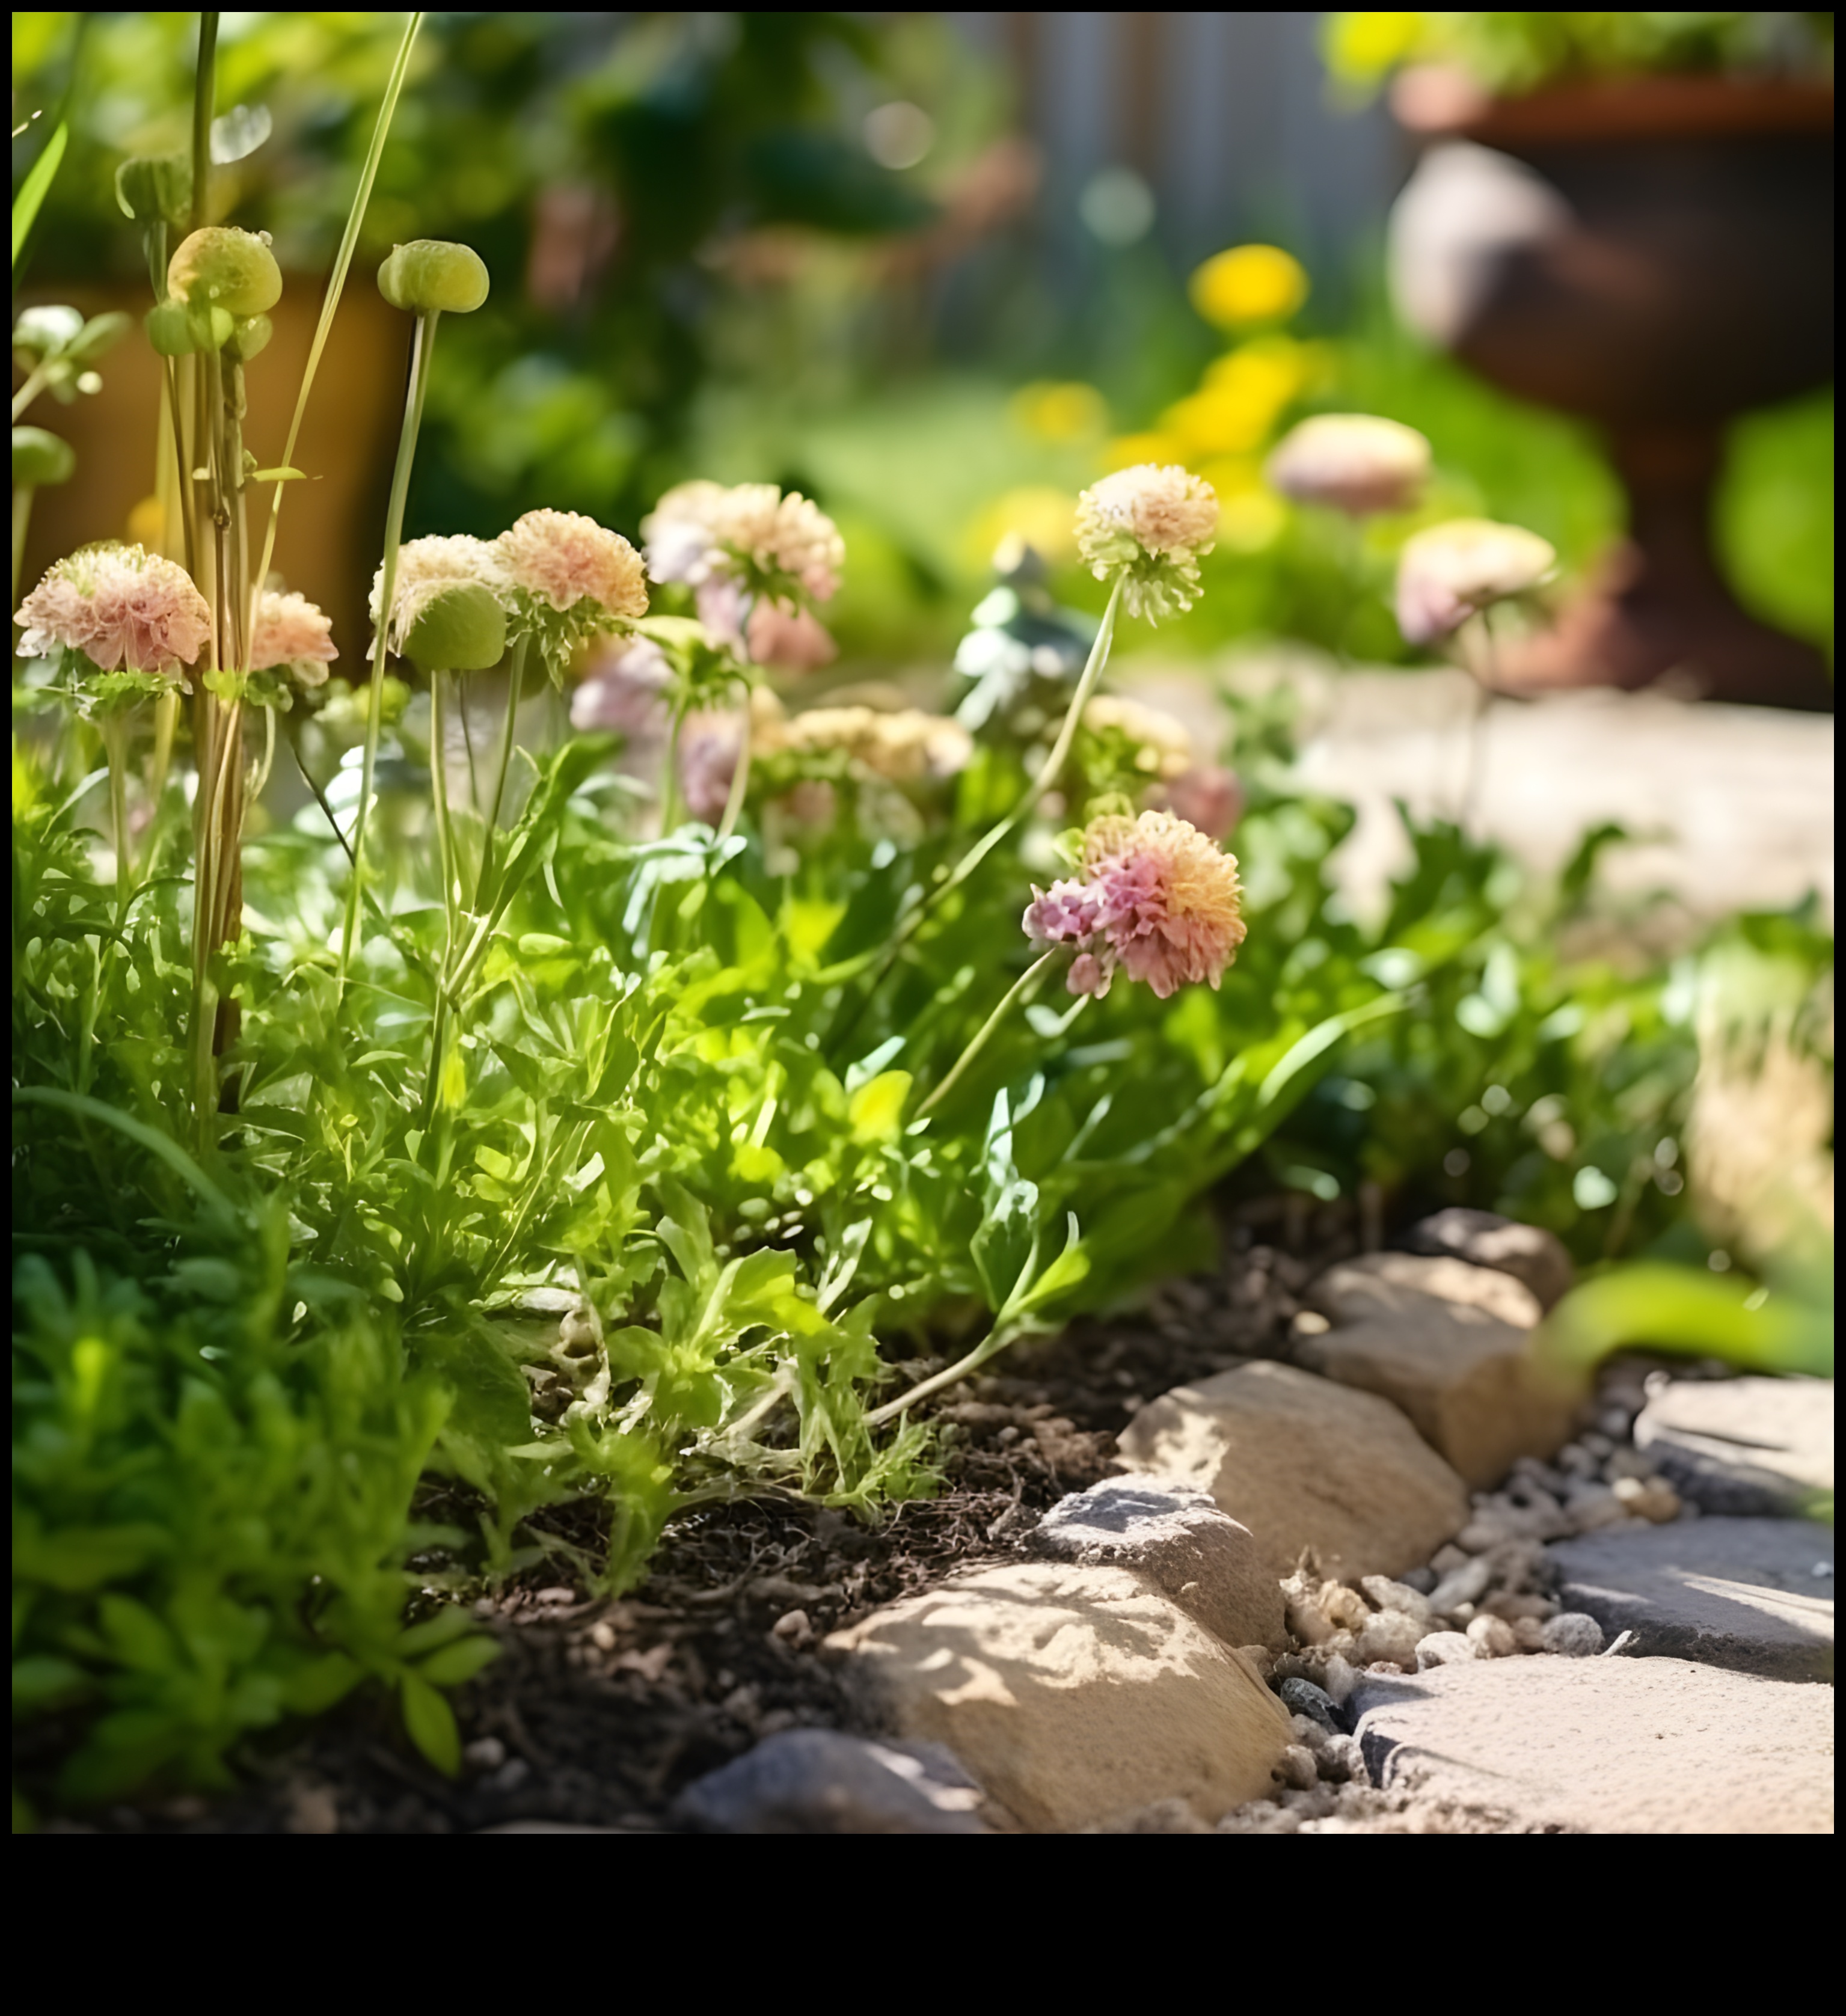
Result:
pixel 859 255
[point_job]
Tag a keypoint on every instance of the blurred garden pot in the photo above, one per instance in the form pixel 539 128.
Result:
pixel 328 543
pixel 1656 254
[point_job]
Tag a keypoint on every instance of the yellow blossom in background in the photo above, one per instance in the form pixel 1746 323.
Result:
pixel 1039 514
pixel 1360 48
pixel 1250 515
pixel 1130 451
pixel 1250 283
pixel 1060 412
pixel 147 524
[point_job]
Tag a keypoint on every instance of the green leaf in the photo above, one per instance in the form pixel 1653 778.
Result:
pixel 455 1663
pixel 83 1557
pixel 430 1724
pixel 40 1682
pixel 34 189
pixel 876 1111
pixel 445 1628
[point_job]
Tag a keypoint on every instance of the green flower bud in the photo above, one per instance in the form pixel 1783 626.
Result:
pixel 429 276
pixel 228 268
pixel 461 628
pixel 251 337
pixel 149 188
pixel 170 330
pixel 39 459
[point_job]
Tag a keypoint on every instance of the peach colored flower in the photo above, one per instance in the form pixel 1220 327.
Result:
pixel 701 532
pixel 562 558
pixel 1208 796
pixel 791 641
pixel 1145 527
pixel 1355 462
pixel 427 564
pixel 1157 898
pixel 1453 571
pixel 120 606
pixel 289 632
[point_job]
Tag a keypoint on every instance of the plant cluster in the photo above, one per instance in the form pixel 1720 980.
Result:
pixel 646 1098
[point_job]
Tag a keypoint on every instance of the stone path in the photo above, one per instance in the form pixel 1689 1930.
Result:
pixel 1294 1616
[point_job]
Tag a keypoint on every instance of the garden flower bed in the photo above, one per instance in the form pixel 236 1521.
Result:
pixel 533 1275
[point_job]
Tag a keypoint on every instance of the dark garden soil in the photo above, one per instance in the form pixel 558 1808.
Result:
pixel 597 1713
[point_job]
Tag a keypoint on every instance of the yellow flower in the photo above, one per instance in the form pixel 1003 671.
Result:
pixel 1130 451
pixel 1039 514
pixel 1060 412
pixel 1360 48
pixel 1250 283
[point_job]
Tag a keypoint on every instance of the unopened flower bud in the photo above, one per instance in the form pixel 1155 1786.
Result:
pixel 251 337
pixel 170 330
pixel 430 276
pixel 39 458
pixel 228 268
pixel 460 627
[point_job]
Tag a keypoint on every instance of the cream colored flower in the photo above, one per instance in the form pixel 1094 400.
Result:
pixel 563 559
pixel 1162 748
pixel 291 634
pixel 1453 571
pixel 122 608
pixel 904 747
pixel 1145 527
pixel 427 564
pixel 701 532
pixel 1355 462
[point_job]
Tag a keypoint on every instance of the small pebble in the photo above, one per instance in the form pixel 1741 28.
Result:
pixel 1822 1570
pixel 1422 1580
pixel 1446 1559
pixel 486 1753
pixel 511 1775
pixel 1339 1677
pixel 1467 1583
pixel 1494 1637
pixel 1652 1498
pixel 1303 1697
pixel 1392 1635
pixel 1444 1648
pixel 1529 1632
pixel 793 1627
pixel 1296 1768
pixel 1574 1634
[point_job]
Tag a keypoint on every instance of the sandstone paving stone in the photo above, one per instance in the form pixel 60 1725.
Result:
pixel 1383 1285
pixel 1176 1539
pixel 1304 1462
pixel 1606 1746
pixel 1072 1694
pixel 825 1781
pixel 1527 1252
pixel 1466 1377
pixel 1745 1447
pixel 1735 1592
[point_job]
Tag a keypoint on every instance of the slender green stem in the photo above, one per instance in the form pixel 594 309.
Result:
pixel 34 384
pixel 166 728
pixel 739 777
pixel 445 844
pixel 996 1340
pixel 260 776
pixel 22 518
pixel 669 777
pixel 515 680
pixel 115 744
pixel 320 797
pixel 1015 994
pixel 342 263
pixel 204 100
pixel 1048 773
pixel 422 345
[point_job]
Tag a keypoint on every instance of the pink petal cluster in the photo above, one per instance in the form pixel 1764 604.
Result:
pixel 703 531
pixel 121 606
pixel 624 690
pixel 1156 897
pixel 1354 462
pixel 289 631
pixel 1208 796
pixel 562 558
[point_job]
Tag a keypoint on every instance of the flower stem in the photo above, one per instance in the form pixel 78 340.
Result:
pixel 115 744
pixel 997 1339
pixel 1015 994
pixel 204 98
pixel 422 345
pixel 740 777
pixel 445 843
pixel 515 680
pixel 22 517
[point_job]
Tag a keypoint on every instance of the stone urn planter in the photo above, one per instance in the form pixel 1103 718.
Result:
pixel 1655 255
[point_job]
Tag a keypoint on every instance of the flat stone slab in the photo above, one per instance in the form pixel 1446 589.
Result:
pixel 825 1781
pixel 1737 1593
pixel 1746 1447
pixel 1606 1746
pixel 1528 1253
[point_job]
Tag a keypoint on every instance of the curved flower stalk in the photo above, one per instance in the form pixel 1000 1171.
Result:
pixel 128 619
pixel 1145 529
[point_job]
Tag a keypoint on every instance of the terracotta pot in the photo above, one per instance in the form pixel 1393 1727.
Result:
pixel 332 528
pixel 1655 255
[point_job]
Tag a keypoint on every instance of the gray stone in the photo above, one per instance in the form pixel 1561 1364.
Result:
pixel 1737 1593
pixel 1572 1634
pixel 1750 1448
pixel 1440 1648
pixel 1528 1253
pixel 823 1781
pixel 1304 1697
pixel 1304 1462
pixel 1175 1537
pixel 1607 1746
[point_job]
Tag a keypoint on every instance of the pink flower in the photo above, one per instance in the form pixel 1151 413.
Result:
pixel 1208 796
pixel 561 558
pixel 709 746
pixel 290 632
pixel 120 606
pixel 1451 572
pixel 701 532
pixel 791 640
pixel 1158 898
pixel 1354 462
pixel 623 691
